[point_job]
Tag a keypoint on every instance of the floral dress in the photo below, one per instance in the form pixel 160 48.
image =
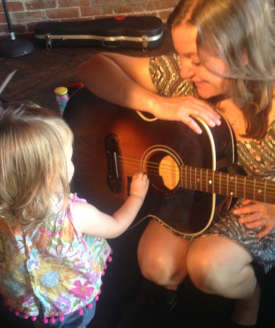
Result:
pixel 256 157
pixel 54 267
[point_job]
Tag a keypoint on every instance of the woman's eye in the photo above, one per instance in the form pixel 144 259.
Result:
pixel 196 63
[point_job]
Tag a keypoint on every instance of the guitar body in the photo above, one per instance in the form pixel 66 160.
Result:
pixel 112 143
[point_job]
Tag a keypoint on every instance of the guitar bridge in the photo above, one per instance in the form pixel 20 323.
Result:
pixel 113 153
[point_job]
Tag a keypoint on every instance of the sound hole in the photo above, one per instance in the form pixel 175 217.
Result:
pixel 163 172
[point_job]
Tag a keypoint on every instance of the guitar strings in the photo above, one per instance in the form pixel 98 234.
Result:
pixel 251 184
pixel 224 175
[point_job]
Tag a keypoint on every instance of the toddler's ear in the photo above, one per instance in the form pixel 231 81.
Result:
pixel 53 184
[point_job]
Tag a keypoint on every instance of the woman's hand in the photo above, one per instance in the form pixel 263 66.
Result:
pixel 257 215
pixel 139 185
pixel 183 109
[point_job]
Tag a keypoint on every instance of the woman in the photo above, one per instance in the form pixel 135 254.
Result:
pixel 225 60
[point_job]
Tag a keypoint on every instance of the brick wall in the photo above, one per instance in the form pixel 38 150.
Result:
pixel 24 14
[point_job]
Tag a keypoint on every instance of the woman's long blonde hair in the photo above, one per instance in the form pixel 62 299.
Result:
pixel 232 30
pixel 32 163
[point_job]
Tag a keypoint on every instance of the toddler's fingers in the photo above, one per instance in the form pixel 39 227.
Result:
pixel 140 175
pixel 136 176
pixel 145 176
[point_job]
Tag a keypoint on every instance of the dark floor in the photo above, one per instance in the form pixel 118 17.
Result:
pixel 38 74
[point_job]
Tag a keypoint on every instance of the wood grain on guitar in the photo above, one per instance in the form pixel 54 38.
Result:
pixel 188 174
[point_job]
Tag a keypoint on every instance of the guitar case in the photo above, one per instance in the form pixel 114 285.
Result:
pixel 143 33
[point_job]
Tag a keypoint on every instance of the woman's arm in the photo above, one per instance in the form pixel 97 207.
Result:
pixel 91 221
pixel 120 79
pixel 126 81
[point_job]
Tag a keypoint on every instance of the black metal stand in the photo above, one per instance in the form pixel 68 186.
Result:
pixel 14 47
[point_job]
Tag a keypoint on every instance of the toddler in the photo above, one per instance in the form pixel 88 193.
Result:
pixel 56 240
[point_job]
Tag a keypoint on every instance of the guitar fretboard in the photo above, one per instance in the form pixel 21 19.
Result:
pixel 226 184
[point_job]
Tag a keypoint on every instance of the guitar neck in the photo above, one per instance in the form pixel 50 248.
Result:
pixel 226 184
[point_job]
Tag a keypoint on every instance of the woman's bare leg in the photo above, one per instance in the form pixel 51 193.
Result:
pixel 217 265
pixel 162 255
pixel 246 310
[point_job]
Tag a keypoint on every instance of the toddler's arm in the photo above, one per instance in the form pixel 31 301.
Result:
pixel 91 221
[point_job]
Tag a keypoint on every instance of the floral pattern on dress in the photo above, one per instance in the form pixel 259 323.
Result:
pixel 53 265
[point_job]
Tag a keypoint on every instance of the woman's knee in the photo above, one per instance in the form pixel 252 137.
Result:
pixel 201 270
pixel 216 265
pixel 161 255
pixel 205 267
pixel 154 267
pixel 162 268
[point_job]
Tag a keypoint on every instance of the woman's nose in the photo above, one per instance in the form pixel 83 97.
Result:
pixel 187 70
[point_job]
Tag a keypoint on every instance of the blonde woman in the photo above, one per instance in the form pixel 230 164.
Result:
pixel 225 59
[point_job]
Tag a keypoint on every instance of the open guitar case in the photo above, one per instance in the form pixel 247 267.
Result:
pixel 144 32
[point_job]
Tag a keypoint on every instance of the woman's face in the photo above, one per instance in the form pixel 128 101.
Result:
pixel 208 84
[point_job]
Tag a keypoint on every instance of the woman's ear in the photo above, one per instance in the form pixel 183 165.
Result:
pixel 245 58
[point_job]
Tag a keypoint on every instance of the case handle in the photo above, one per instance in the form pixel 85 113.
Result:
pixel 113 46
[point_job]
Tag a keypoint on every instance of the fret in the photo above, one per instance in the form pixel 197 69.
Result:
pixel 265 191
pixel 206 181
pixel 201 179
pixel 236 185
pixel 259 193
pixel 195 178
pixel 227 181
pixel 254 188
pixel 220 183
pixel 190 177
pixel 213 182
pixel 231 192
pixel 244 188
pixel 185 176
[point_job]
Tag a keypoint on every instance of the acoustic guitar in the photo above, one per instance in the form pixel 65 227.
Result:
pixel 189 176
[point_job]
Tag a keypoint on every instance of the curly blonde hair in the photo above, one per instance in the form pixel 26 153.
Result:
pixel 32 163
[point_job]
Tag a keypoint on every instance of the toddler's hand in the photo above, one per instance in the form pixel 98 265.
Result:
pixel 139 185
